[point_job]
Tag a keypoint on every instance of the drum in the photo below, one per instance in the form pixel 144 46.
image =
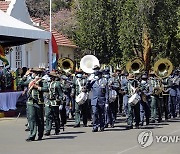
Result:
pixel 81 98
pixel 112 96
pixel 134 99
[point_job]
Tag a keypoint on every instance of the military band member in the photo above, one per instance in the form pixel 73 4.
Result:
pixel 155 86
pixel 54 100
pixel 66 85
pixel 119 100
pixel 124 92
pixel 133 110
pixel 173 99
pixel 79 85
pixel 145 100
pixel 35 105
pixel 165 95
pixel 111 111
pixel 99 100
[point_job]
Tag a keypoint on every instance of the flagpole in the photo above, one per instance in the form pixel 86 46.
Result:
pixel 50 41
pixel 50 15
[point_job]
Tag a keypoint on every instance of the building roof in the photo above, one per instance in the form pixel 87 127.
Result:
pixel 4 5
pixel 60 38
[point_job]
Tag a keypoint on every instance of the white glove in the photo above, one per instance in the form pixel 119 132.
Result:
pixel 60 107
pixel 106 105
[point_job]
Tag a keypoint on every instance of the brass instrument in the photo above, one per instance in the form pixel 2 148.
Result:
pixel 65 64
pixel 163 68
pixel 32 83
pixel 88 62
pixel 157 90
pixel 135 66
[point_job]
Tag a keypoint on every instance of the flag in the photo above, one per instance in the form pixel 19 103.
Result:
pixel 55 52
pixel 2 56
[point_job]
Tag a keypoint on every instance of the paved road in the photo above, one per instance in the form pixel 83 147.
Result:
pixel 81 140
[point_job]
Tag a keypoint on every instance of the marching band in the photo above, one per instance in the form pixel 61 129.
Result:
pixel 142 98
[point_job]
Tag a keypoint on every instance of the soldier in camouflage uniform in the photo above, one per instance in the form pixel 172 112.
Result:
pixel 54 99
pixel 35 105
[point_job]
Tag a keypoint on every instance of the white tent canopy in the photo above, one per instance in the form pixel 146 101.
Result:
pixel 14 32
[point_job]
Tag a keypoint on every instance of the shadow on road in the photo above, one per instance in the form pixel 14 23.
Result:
pixel 115 129
pixel 159 124
pixel 73 132
pixel 59 137
pixel 174 120
pixel 149 127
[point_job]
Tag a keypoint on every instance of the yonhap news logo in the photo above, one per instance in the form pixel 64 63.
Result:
pixel 146 138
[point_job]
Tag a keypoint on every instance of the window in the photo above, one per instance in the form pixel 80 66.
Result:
pixel 18 57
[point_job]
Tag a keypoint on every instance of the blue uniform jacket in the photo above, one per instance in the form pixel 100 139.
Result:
pixel 99 90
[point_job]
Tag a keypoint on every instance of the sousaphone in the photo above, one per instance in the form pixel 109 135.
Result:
pixel 135 65
pixel 65 64
pixel 163 68
pixel 88 62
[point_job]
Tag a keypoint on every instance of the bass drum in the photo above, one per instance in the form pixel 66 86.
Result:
pixel 81 98
pixel 134 99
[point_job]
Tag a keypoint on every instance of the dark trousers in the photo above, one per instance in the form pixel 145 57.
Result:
pixel 63 115
pixel 165 105
pixel 133 111
pixel 52 114
pixel 81 110
pixel 172 105
pixel 119 103
pixel 35 119
pixel 110 114
pixel 98 115
pixel 156 108
pixel 144 112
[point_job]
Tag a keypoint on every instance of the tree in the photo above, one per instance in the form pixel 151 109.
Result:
pixel 98 32
pixel 40 8
pixel 160 18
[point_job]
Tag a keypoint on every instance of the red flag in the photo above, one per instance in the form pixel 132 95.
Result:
pixel 55 52
pixel 54 45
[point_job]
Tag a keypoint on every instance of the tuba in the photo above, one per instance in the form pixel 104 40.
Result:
pixel 163 68
pixel 88 62
pixel 65 64
pixel 135 65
